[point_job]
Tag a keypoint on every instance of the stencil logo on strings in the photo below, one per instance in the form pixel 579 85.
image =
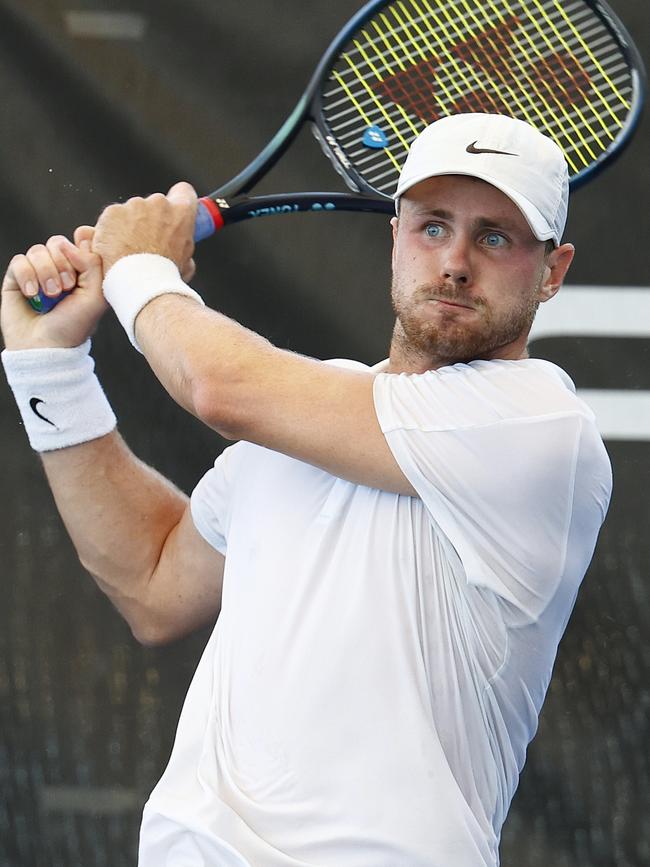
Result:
pixel 479 77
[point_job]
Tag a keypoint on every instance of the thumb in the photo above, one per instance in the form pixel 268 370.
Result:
pixel 80 254
pixel 83 233
pixel 182 193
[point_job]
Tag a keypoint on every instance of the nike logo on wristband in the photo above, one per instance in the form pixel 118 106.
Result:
pixel 34 402
pixel 472 149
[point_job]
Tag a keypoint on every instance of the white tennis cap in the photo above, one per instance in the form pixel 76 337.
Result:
pixel 509 154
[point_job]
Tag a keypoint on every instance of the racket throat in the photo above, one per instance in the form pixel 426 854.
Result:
pixel 336 155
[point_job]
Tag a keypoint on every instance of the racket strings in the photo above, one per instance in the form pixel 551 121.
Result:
pixel 478 54
pixel 422 74
pixel 558 67
pixel 588 52
pixel 566 58
pixel 426 68
pixel 491 67
pixel 558 87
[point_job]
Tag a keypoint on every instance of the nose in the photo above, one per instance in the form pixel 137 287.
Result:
pixel 456 263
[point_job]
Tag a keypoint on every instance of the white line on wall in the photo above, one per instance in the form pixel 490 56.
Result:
pixel 603 311
pixel 89 24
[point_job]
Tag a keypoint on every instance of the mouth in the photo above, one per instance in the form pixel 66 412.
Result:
pixel 445 302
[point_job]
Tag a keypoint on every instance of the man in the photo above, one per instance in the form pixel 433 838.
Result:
pixel 394 551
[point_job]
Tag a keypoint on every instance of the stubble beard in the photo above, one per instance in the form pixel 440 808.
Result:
pixel 454 336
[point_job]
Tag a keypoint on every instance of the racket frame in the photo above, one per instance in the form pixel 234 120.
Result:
pixel 365 197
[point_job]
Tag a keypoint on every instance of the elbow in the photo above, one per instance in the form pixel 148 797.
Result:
pixel 150 633
pixel 152 628
pixel 222 408
pixel 147 635
pixel 146 627
pixel 227 396
pixel 150 620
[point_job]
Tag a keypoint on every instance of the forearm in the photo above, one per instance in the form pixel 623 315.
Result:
pixel 202 358
pixel 118 512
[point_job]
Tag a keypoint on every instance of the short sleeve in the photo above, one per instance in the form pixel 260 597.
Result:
pixel 210 502
pixel 492 450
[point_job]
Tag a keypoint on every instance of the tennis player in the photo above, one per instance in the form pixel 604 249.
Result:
pixel 393 552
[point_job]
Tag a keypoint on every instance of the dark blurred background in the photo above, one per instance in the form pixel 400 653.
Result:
pixel 193 89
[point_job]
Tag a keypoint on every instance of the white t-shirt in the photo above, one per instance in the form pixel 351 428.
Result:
pixel 379 662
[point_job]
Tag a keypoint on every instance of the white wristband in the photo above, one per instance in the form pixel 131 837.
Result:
pixel 135 280
pixel 59 397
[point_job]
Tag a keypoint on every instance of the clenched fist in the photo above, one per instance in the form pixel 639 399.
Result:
pixel 55 266
pixel 158 224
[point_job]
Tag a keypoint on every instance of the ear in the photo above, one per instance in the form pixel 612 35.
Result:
pixel 555 269
pixel 394 226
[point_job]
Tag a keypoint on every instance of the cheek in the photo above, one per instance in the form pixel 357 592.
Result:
pixel 531 267
pixel 406 266
pixel 521 279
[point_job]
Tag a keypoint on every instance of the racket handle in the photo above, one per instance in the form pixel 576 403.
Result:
pixel 208 221
pixel 43 303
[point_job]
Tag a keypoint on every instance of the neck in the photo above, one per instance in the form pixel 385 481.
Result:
pixel 405 358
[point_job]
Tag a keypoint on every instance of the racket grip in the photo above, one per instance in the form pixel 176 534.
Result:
pixel 208 219
pixel 43 303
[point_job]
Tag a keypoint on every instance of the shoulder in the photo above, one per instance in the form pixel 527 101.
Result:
pixel 477 393
pixel 347 363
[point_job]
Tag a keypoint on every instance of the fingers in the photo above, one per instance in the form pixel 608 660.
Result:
pixel 54 266
pixel 43 265
pixel 59 247
pixel 20 277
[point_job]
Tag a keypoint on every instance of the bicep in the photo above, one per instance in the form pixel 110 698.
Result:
pixel 184 591
pixel 315 412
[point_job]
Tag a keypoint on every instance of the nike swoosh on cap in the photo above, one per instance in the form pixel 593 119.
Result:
pixel 472 149
pixel 34 402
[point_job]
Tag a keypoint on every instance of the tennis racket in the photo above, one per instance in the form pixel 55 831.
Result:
pixel 568 67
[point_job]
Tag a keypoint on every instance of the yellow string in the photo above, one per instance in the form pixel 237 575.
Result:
pixel 514 94
pixel 564 44
pixel 596 63
pixel 379 77
pixel 445 51
pixel 551 113
pixel 377 102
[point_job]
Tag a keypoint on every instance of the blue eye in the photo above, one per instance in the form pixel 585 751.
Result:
pixel 433 230
pixel 493 239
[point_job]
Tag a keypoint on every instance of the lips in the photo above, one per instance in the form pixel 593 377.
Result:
pixel 451 303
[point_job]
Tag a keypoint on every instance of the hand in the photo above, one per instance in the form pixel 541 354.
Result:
pixel 75 318
pixel 158 224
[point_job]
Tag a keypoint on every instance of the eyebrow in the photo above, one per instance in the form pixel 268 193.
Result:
pixel 423 211
pixel 480 222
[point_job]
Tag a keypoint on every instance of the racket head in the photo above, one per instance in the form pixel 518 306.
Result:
pixel 568 67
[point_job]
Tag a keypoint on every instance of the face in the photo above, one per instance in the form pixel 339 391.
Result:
pixel 468 275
